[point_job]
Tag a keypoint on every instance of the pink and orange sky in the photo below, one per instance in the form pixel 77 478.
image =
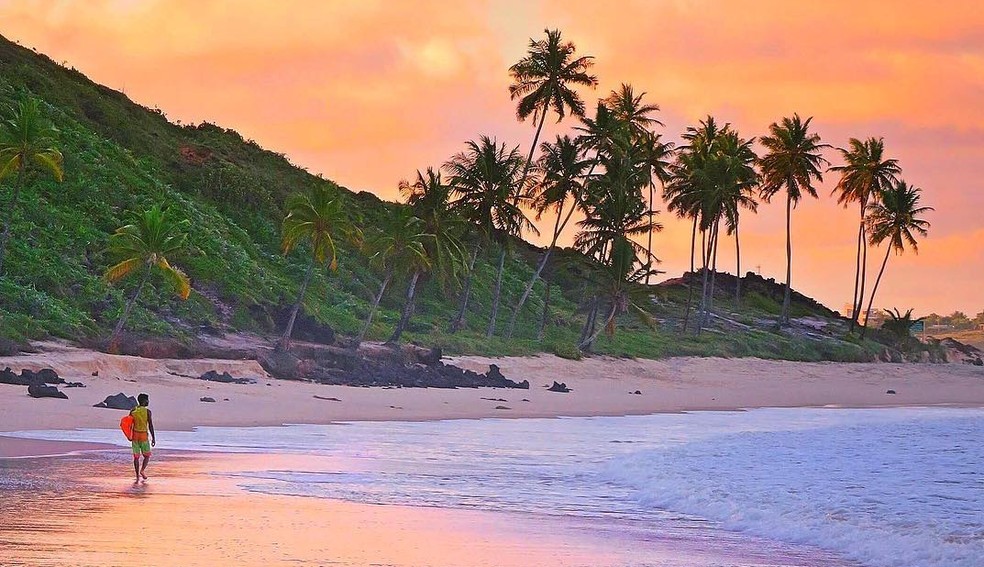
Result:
pixel 367 92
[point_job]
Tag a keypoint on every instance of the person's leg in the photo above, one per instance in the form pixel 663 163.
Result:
pixel 136 467
pixel 143 469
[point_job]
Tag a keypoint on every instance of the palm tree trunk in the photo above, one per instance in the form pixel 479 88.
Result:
pixel 407 309
pixel 586 344
pixel 649 245
pixel 459 317
pixel 690 286
pixel 536 275
pixel 529 157
pixel 705 249
pixel 284 343
pixel 375 305
pixel 545 317
pixel 784 316
pixel 737 267
pixel 587 328
pixel 715 237
pixel 864 271
pixel 115 337
pixel 495 293
pixel 10 214
pixel 875 290
pixel 855 307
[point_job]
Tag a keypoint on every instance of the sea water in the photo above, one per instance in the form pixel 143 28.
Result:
pixel 873 487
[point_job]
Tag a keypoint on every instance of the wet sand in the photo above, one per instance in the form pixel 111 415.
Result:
pixel 84 511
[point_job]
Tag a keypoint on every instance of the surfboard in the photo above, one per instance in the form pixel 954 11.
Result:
pixel 126 424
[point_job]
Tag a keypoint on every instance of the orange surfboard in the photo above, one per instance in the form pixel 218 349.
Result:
pixel 126 424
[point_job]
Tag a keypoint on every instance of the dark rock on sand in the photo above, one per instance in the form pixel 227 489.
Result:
pixel 637 393
pixel 225 378
pixel 118 401
pixel 502 407
pixel 207 399
pixel 74 385
pixel 28 377
pixel 39 390
pixel 559 387
pixel 890 392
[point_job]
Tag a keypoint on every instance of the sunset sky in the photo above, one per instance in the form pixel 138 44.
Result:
pixel 367 92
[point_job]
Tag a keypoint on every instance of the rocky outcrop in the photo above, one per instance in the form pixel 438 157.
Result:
pixel 383 366
pixel 225 378
pixel 559 387
pixel 118 401
pixel 28 377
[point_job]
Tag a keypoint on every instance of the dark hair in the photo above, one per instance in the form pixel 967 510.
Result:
pixel 143 399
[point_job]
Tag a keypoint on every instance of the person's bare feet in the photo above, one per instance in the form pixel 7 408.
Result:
pixel 143 475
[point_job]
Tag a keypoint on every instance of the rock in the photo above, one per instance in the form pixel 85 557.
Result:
pixel 8 377
pixel 559 387
pixel 502 407
pixel 96 373
pixel 118 401
pixel 74 385
pixel 978 362
pixel 890 392
pixel 431 356
pixel 38 390
pixel 225 378
pixel 637 393
pixel 206 399
pixel 28 377
pixel 306 327
pixel 283 365
pixel 317 397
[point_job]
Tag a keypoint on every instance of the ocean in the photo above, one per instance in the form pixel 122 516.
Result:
pixel 826 486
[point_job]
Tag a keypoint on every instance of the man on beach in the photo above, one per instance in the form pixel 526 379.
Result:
pixel 143 423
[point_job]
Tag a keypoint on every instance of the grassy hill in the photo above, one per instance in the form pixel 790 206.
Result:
pixel 122 157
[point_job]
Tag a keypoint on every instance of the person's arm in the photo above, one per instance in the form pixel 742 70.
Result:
pixel 150 424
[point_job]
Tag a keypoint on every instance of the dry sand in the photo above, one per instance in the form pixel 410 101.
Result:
pixel 601 386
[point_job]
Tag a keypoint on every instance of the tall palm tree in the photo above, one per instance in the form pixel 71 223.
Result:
pixel 485 178
pixel 430 199
pixel 563 166
pixel 894 217
pixel 792 162
pixel 26 138
pixel 320 219
pixel 739 180
pixel 543 80
pixel 145 246
pixel 864 175
pixel 399 245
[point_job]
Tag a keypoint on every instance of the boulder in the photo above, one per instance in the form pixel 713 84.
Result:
pixel 559 387
pixel 74 385
pixel 28 377
pixel 207 399
pixel 118 401
pixel 39 390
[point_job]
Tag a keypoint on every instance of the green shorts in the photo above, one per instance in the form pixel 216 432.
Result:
pixel 140 448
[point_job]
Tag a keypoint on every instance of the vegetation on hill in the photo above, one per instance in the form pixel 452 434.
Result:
pixel 267 239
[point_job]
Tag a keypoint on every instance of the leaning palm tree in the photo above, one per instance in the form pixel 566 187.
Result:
pixel 399 245
pixel 865 174
pixel 319 218
pixel 894 217
pixel 563 167
pixel 144 247
pixel 430 199
pixel 543 80
pixel 792 163
pixel 485 178
pixel 26 138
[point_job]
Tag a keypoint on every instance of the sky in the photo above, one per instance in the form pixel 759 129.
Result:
pixel 368 92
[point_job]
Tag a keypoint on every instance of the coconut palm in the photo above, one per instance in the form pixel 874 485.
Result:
pixel 792 162
pixel 865 173
pixel 485 178
pixel 430 199
pixel 399 245
pixel 739 180
pixel 319 218
pixel 563 168
pixel 895 217
pixel 543 80
pixel 27 140
pixel 146 246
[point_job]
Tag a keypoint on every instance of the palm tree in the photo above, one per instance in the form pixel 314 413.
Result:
pixel 397 246
pixel 145 246
pixel 430 199
pixel 866 173
pixel 542 81
pixel 792 162
pixel 563 166
pixel 319 218
pixel 26 138
pixel 739 180
pixel 485 178
pixel 894 217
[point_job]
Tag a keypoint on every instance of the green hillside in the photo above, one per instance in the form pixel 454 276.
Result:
pixel 121 157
